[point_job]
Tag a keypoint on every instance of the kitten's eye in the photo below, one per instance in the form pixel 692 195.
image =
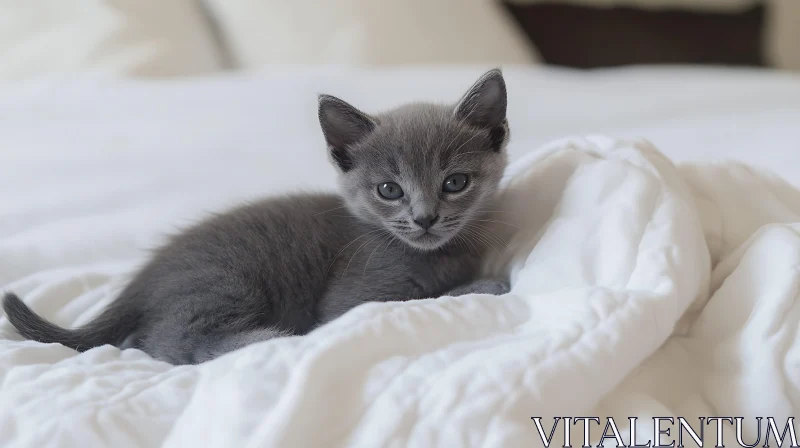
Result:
pixel 455 183
pixel 390 190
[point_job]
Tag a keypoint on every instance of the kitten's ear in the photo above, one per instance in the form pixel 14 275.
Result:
pixel 484 105
pixel 342 125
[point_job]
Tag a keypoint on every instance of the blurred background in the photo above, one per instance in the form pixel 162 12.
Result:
pixel 169 38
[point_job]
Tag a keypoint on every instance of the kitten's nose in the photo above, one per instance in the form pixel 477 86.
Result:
pixel 427 221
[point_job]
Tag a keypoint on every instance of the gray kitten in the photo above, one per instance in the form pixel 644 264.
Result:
pixel 415 182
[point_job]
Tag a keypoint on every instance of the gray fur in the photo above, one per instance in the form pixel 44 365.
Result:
pixel 284 266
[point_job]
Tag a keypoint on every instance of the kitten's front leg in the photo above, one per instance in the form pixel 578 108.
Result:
pixel 482 286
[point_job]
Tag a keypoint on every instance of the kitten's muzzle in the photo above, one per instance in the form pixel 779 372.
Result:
pixel 426 221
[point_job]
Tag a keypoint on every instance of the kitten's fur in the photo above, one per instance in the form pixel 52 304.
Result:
pixel 284 266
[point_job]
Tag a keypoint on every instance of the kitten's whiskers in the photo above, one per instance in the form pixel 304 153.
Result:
pixel 496 221
pixel 488 232
pixel 466 141
pixel 483 235
pixel 481 239
pixel 359 250
pixel 326 211
pixel 346 246
pixel 466 153
pixel 389 241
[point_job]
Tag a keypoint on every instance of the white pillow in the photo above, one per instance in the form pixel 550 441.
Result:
pixel 782 39
pixel 369 32
pixel 118 37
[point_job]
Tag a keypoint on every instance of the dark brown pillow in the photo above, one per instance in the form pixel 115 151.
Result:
pixel 589 37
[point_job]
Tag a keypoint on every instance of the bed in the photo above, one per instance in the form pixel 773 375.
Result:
pixel 654 271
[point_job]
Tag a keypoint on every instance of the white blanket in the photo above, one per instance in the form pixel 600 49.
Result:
pixel 610 253
pixel 639 289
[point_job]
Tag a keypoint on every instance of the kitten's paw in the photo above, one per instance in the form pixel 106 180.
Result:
pixel 483 286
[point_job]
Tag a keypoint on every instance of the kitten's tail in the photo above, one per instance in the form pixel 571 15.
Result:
pixel 110 327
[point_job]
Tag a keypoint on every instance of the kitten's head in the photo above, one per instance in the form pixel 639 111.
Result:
pixel 421 171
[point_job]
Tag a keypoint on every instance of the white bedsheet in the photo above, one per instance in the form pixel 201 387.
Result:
pixel 639 289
